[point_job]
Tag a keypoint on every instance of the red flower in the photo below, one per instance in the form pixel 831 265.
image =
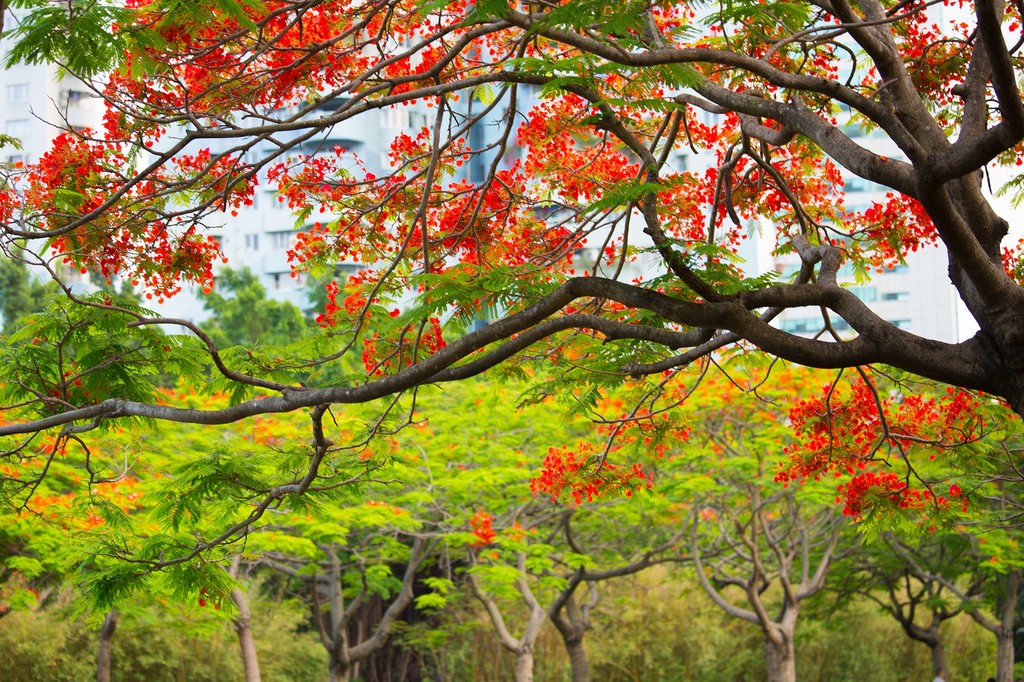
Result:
pixel 481 523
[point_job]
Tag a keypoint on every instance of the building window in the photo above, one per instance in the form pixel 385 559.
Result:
pixel 252 242
pixel 418 121
pixel 15 158
pixel 854 183
pixel 281 240
pixel 74 97
pixel 896 296
pixel 801 326
pixel 330 106
pixel 809 325
pixel 787 271
pixel 18 127
pixel 396 118
pixel 342 271
pixel 900 324
pixel 866 294
pixel 17 92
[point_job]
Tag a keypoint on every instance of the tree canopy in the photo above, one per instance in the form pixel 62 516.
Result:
pixel 588 109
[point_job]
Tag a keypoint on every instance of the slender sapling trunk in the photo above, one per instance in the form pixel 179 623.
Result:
pixel 103 658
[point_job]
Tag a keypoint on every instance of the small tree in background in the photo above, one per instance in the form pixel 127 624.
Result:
pixel 20 293
pixel 241 313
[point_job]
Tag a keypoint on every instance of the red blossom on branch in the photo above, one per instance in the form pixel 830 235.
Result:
pixel 482 529
pixel 585 474
pixel 851 432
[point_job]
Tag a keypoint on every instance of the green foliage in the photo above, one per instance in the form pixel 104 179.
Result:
pixel 657 626
pixel 481 10
pixel 39 646
pixel 437 598
pixel 1015 189
pixel 76 34
pixel 241 313
pixel 860 643
pixel 713 263
pixel 493 291
pixel 155 642
pixel 20 293
pixel 433 477
pixel 620 19
pixel 654 627
pixel 83 354
pixel 793 16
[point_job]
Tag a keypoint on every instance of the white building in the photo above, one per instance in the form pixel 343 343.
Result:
pixel 38 104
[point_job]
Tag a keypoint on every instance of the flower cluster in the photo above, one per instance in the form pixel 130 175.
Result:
pixel 482 529
pixel 849 430
pixel 585 474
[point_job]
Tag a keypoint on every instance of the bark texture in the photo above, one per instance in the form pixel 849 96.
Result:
pixel 524 665
pixel 246 642
pixel 104 662
pixel 780 659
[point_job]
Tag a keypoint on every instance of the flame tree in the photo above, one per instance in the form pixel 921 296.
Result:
pixel 590 106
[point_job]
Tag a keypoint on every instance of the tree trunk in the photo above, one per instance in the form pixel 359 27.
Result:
pixel 243 626
pixel 578 661
pixel 1005 629
pixel 524 665
pixel 781 660
pixel 938 657
pixel 103 658
pixel 1004 655
pixel 572 622
pixel 340 672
